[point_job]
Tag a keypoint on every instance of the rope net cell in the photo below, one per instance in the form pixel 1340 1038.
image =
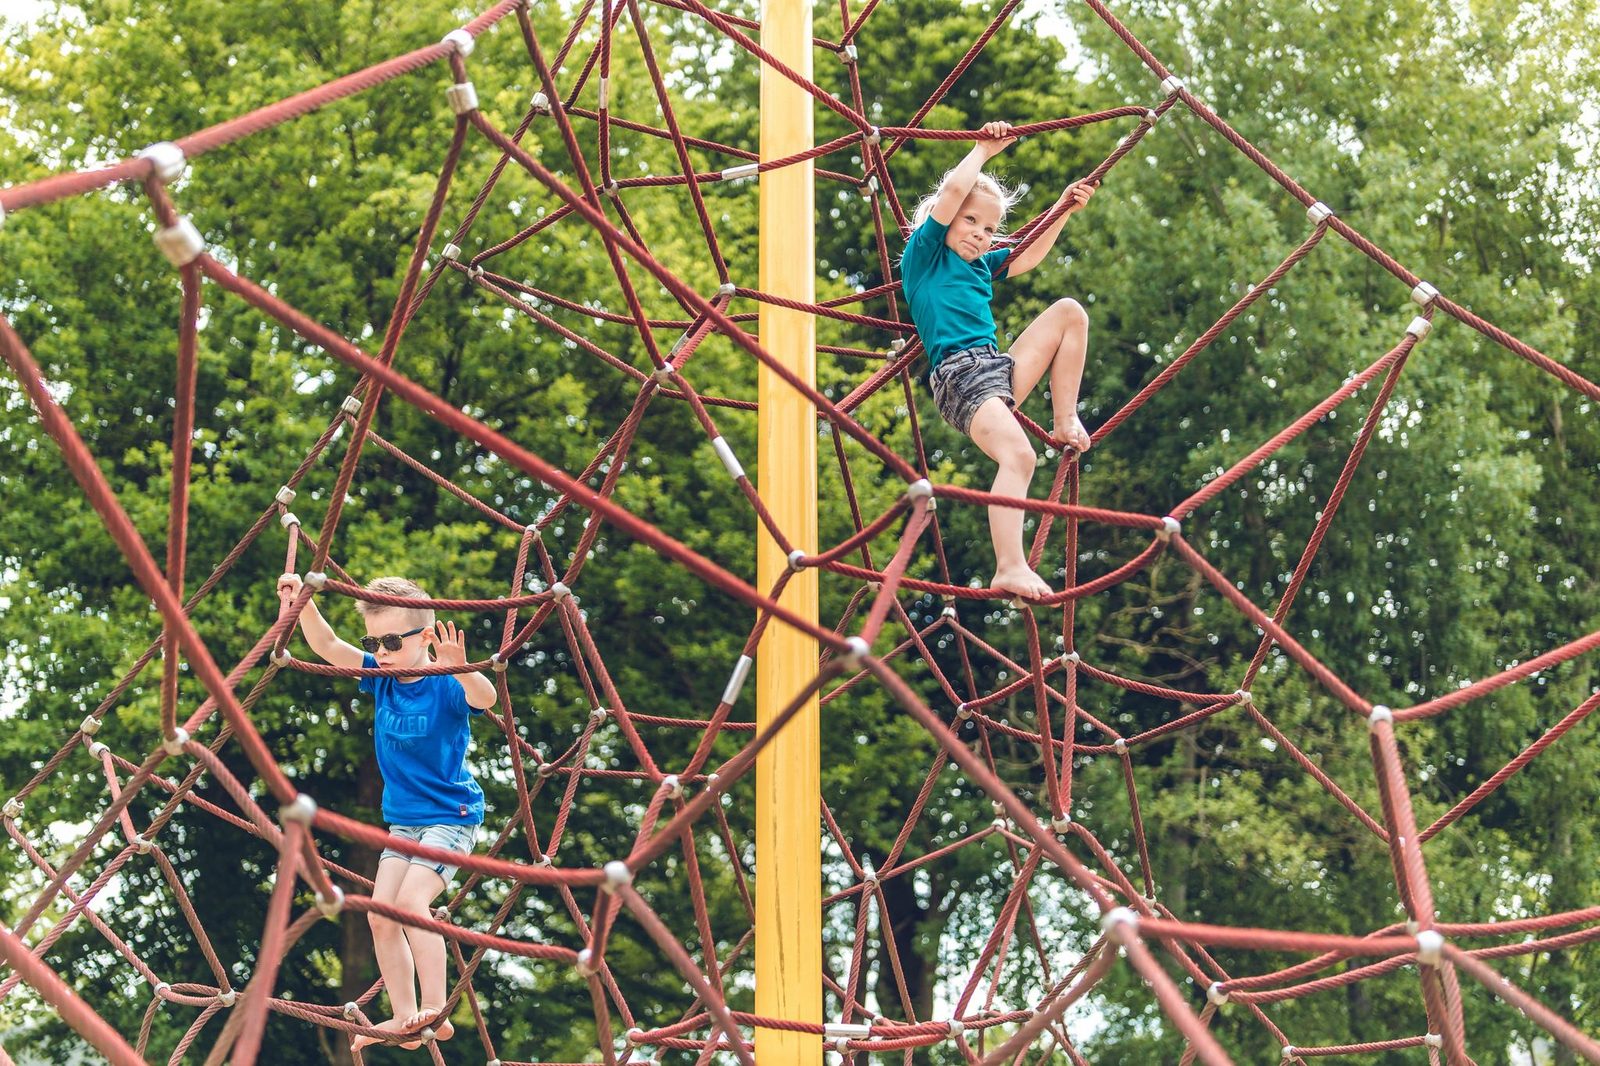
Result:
pixel 682 770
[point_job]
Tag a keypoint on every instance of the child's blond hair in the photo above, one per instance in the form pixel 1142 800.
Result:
pixel 396 586
pixel 986 183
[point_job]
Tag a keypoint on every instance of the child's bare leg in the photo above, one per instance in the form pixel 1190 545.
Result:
pixel 421 887
pixel 995 430
pixel 390 946
pixel 1057 341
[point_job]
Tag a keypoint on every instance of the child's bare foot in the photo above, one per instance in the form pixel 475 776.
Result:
pixel 1020 580
pixel 430 1017
pixel 1071 432
pixel 392 1025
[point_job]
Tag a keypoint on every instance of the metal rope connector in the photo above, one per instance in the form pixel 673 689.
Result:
pixel 617 875
pixel 1379 713
pixel 1216 995
pixel 285 496
pixel 12 809
pixel 540 103
pixel 167 161
pixel 350 405
pixel 173 745
pixel 301 809
pixel 180 242
pixel 729 461
pixel 463 41
pixel 1420 328
pixel 743 170
pixel 330 906
pixel 1171 84
pixel 462 97
pixel 797 561
pixel 1319 212
pixel 1424 294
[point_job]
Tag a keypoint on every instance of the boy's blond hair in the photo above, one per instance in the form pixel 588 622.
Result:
pixel 397 586
pixel 986 183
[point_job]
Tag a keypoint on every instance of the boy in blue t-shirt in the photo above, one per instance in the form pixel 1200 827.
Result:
pixel 421 731
pixel 948 274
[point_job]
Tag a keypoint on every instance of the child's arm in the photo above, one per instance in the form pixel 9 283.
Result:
pixel 1075 196
pixel 450 649
pixel 997 138
pixel 318 633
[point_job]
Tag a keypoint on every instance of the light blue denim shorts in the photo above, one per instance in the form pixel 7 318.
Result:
pixel 446 837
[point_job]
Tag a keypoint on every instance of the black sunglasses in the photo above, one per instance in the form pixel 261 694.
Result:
pixel 389 640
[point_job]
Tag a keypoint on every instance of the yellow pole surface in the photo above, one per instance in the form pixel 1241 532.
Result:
pixel 788 771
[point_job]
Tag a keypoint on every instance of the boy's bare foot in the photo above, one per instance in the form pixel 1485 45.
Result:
pixel 1022 581
pixel 430 1017
pixel 392 1025
pixel 1071 432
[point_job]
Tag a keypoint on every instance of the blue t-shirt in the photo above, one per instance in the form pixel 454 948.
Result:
pixel 949 296
pixel 421 732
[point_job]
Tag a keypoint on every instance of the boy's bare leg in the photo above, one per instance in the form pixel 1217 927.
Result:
pixel 1057 341
pixel 391 948
pixel 994 429
pixel 420 888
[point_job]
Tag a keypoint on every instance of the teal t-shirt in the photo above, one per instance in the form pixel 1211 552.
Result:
pixel 949 296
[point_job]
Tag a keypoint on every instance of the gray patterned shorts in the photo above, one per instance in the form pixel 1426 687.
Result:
pixel 964 380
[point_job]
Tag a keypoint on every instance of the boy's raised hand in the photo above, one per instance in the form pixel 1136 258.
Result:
pixel 449 644
pixel 996 138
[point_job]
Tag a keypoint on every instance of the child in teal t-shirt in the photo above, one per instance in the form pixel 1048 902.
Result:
pixel 948 274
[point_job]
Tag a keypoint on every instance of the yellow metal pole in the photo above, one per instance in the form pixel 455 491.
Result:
pixel 788 771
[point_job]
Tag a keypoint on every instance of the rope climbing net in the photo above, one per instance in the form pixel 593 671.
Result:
pixel 1039 836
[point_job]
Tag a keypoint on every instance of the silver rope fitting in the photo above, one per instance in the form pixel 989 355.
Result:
pixel 97 749
pixel 1379 713
pixel 12 809
pixel 854 649
pixel 540 103
pixel 1287 1053
pixel 330 906
pixel 1170 527
pixel 584 963
pixel 1319 212
pixel 797 561
pixel 284 495
pixel 948 612
pixel 559 591
pixel 1216 995
pixel 963 711
pixel 1062 824
pixel 671 785
pixel 1121 745
pixel 617 875
pixel 663 373
pixel 741 671
pixel 848 54
pixel 1118 916
pixel 920 489
pixel 180 242
pixel 1171 84
pixel 351 1009
pixel 599 714
pixel 474 272
pixel 89 726
pixel 1244 695
pixel 167 161
pixel 740 172
pixel 141 844
pixel 301 809
pixel 957 1026
pixel 1151 116
pixel 351 405
pixel 173 745
pixel 288 520
pixel 281 658
pixel 450 251
pixel 634 1035
pixel 441 914
pixel 1430 947
pixel 1419 328
pixel 874 137
pixel 228 998
pixel 727 288
pixel 1072 657
pixel 497 663
pixel 1424 294
pixel 1433 1040
pixel 729 461
pixel 461 39
pixel 316 580
pixel 462 97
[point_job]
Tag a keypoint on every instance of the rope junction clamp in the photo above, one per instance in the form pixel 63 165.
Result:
pixel 1171 84
pixel 741 670
pixel 288 520
pixel 330 906
pixel 1118 916
pixel 1287 1053
pixel 168 161
pixel 181 243
pixel 12 809
pixel 228 998
pixel 1244 695
pixel 316 579
pixel 845 1031
pixel 89 726
pixel 1170 527
pixel 855 649
pixel 1319 212
pixel 174 744
pixel 451 251
pixel 351 405
pixel 461 39
pixel 727 288
pixel 744 170
pixel 284 496
pixel 874 137
pixel 541 103
pixel 282 658
pixel 463 98
pixel 1430 947
pixel 920 489
pixel 1424 293
pixel 1216 995
pixel 1062 824
pixel 1433 1040
pixel 1420 328
pixel 797 561
pixel 617 875
pixel 849 54
pixel 302 809
pixel 1379 713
